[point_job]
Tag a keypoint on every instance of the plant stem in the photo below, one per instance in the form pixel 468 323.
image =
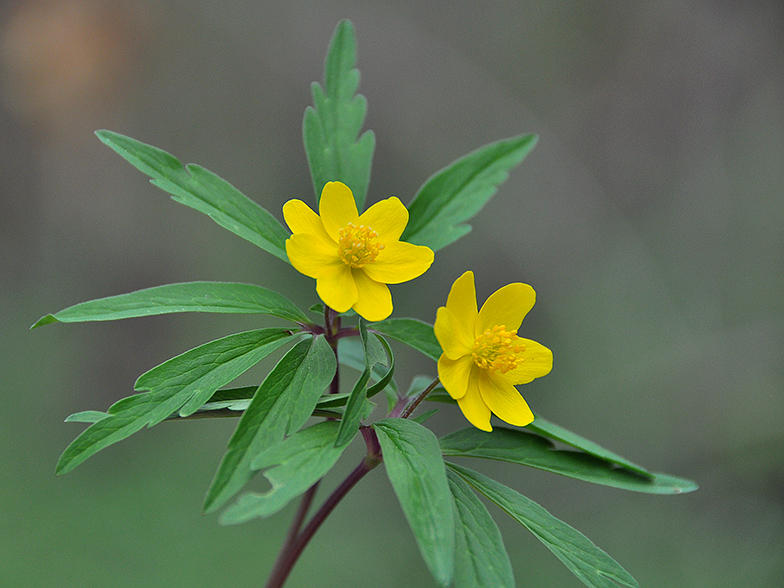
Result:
pixel 293 549
pixel 404 410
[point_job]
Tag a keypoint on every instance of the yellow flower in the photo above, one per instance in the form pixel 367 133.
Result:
pixel 353 257
pixel 483 357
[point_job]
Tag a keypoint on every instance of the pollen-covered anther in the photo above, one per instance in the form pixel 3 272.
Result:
pixel 358 245
pixel 498 350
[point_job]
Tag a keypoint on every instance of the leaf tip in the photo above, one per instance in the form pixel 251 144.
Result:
pixel 44 320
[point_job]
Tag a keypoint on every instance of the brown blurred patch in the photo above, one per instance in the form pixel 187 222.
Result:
pixel 60 57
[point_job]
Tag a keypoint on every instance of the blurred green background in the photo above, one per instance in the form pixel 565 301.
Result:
pixel 648 219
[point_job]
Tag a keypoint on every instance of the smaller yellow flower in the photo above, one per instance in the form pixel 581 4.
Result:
pixel 353 257
pixel 483 358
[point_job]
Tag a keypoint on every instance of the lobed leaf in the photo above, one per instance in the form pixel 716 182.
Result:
pixel 281 405
pixel 219 297
pixel 586 561
pixel 532 450
pixel 415 333
pixel 188 379
pixel 201 189
pixel 416 470
pixel 438 212
pixel 330 128
pixel 480 556
pixel 294 466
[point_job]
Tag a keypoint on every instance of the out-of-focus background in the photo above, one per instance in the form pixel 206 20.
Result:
pixel 650 220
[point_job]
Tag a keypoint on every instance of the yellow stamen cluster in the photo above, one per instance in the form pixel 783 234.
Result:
pixel 498 350
pixel 358 246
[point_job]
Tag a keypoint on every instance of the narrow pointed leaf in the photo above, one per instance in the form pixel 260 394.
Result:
pixel 219 297
pixel 416 470
pixel 201 189
pixel 532 450
pixel 480 556
pixel 331 127
pixel 351 354
pixel 586 561
pixel 281 405
pixel 86 416
pixel 204 370
pixel 438 212
pixel 545 428
pixel 294 466
pixel 189 380
pixel 415 333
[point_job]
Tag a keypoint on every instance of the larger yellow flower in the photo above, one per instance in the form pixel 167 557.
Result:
pixel 353 257
pixel 483 357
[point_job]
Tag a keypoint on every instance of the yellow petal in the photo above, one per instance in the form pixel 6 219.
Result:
pixel 453 334
pixel 336 287
pixel 399 262
pixel 388 218
pixel 301 219
pixel 474 408
pixel 337 208
pixel 311 255
pixel 374 302
pixel 462 301
pixel 503 399
pixel 537 362
pixel 506 306
pixel 454 374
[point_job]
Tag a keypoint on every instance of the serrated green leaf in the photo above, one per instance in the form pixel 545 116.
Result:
pixel 586 561
pixel 460 190
pixel 219 297
pixel 185 379
pixel 294 466
pixel 281 405
pixel 545 428
pixel 331 126
pixel 415 333
pixel 416 470
pixel 531 450
pixel 201 189
pixel 480 556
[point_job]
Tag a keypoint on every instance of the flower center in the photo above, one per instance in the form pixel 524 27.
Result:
pixel 498 350
pixel 358 246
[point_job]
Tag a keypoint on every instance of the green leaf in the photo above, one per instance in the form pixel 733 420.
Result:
pixel 373 353
pixel 460 190
pixel 198 188
pixel 386 379
pixel 552 431
pixel 331 126
pixel 281 405
pixel 422 418
pixel 351 354
pixel 189 380
pixel 413 332
pixel 481 556
pixel 294 466
pixel 586 561
pixel 532 450
pixel 86 416
pixel 183 380
pixel 220 297
pixel 418 476
pixel 355 408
